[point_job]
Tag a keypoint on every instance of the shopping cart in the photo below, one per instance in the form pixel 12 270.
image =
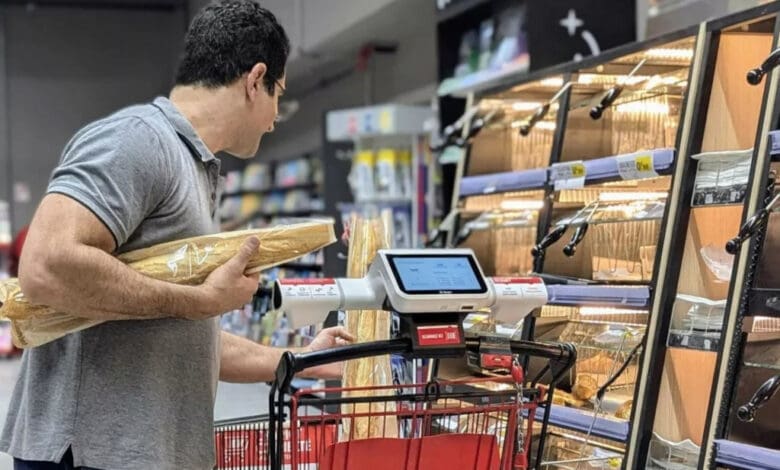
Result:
pixel 478 423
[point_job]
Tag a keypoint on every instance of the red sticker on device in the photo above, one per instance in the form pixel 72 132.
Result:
pixel 438 335
pixel 503 361
pixel 314 281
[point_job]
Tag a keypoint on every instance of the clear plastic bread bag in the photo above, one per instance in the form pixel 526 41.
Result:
pixel 188 261
pixel 367 236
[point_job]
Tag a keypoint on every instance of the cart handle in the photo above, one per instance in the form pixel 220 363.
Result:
pixel 765 392
pixel 291 363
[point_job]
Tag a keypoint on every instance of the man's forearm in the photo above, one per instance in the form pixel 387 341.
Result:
pixel 94 284
pixel 244 361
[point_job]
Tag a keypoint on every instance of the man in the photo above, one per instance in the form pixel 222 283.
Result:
pixel 139 394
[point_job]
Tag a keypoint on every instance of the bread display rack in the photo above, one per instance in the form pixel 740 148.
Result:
pixel 620 180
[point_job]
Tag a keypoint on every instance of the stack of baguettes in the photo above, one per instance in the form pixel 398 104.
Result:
pixel 188 261
pixel 367 236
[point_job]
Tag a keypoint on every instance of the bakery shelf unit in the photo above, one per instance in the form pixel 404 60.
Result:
pixel 567 176
pixel 695 280
pixel 742 417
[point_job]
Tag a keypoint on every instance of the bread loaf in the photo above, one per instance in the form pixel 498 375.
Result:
pixel 187 261
pixel 367 236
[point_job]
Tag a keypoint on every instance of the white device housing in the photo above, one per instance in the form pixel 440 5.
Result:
pixel 308 301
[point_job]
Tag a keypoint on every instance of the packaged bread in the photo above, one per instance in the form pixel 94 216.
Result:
pixel 585 387
pixel 367 236
pixel 624 412
pixel 186 261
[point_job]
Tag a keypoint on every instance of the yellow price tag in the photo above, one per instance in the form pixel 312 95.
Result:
pixel 644 163
pixel 578 170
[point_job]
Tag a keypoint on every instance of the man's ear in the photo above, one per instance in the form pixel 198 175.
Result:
pixel 254 81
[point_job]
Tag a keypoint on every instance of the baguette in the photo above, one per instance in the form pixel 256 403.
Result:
pixel 187 261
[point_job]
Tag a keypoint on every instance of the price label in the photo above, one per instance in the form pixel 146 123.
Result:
pixel 569 175
pixel 452 154
pixel 636 166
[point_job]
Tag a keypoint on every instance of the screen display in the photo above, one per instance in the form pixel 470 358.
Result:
pixel 440 274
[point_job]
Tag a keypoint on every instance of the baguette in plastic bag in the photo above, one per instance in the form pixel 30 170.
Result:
pixel 187 261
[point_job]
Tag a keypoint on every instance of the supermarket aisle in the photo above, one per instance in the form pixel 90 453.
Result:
pixel 9 369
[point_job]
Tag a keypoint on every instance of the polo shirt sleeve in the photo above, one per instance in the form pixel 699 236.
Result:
pixel 118 171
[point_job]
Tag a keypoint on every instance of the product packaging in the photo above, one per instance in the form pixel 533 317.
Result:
pixel 188 261
pixel 368 235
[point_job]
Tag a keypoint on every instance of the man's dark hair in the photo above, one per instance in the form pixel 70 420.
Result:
pixel 226 39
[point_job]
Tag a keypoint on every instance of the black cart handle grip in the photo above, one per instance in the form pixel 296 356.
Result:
pixel 548 240
pixel 755 76
pixel 290 363
pixel 571 248
pixel 765 392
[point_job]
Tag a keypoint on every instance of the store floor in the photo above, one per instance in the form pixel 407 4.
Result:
pixel 233 400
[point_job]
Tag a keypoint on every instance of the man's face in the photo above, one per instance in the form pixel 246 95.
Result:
pixel 261 116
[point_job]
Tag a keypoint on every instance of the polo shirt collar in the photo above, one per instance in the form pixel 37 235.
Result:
pixel 184 128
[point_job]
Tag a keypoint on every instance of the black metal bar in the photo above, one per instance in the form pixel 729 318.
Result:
pixel 579 234
pixel 605 102
pixel 603 389
pixel 554 351
pixel 484 395
pixel 290 363
pixel 546 213
pixel 757 74
pixel 765 392
pixel 752 225
pixel 538 115
pixel 643 418
pixel 545 424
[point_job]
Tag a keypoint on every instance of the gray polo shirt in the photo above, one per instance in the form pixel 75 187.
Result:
pixel 128 394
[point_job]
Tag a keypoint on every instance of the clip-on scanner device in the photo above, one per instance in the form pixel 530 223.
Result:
pixel 430 290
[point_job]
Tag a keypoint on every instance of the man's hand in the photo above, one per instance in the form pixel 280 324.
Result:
pixel 326 339
pixel 227 287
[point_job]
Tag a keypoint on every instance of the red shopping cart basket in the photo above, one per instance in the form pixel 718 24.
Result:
pixel 473 424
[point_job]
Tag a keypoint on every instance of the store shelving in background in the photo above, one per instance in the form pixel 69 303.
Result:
pixel 265 191
pixel 263 194
pixel 383 154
